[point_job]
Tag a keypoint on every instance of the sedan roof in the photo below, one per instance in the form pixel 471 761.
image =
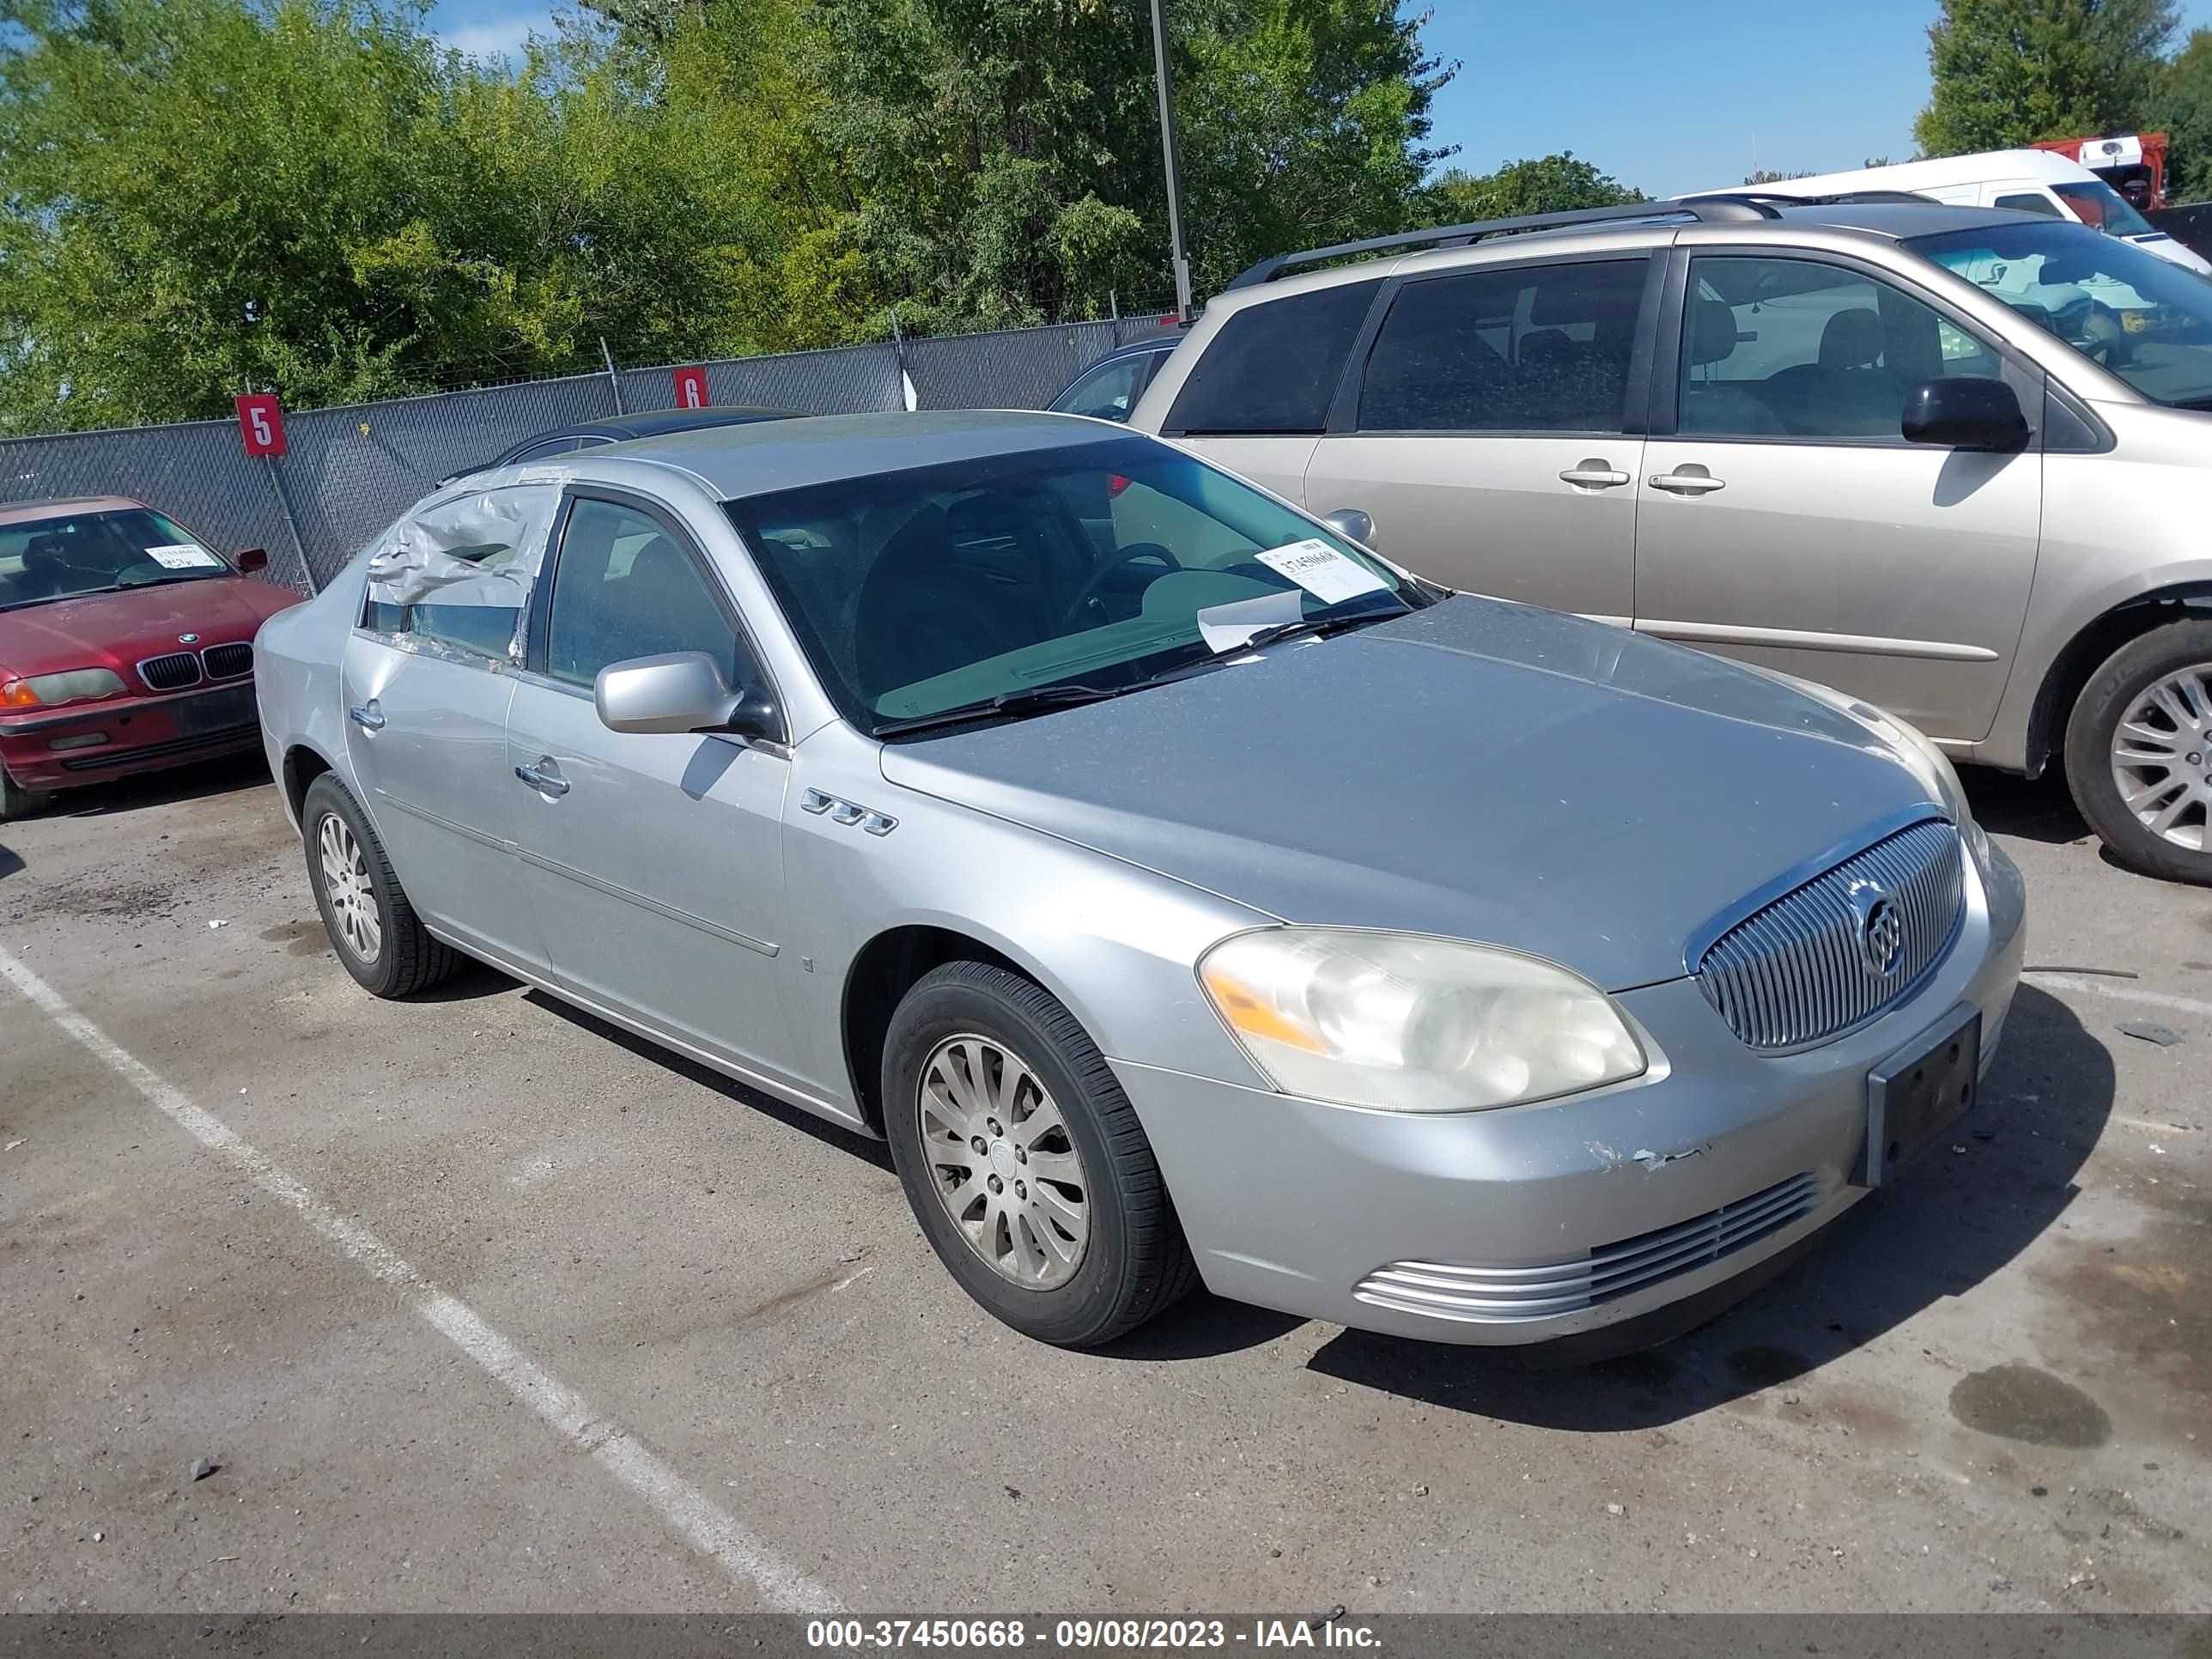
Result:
pixel 750 460
pixel 23 511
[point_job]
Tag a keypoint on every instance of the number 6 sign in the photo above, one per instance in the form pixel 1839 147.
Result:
pixel 692 388
pixel 261 423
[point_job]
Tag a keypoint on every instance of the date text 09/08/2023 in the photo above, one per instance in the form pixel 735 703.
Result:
pixel 1085 1634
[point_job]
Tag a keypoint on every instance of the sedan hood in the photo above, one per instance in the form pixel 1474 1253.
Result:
pixel 1478 769
pixel 117 631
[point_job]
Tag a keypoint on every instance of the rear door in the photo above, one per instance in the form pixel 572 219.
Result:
pixel 1493 434
pixel 1258 399
pixel 653 862
pixel 1783 518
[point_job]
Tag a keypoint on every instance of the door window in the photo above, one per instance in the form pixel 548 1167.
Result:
pixel 458 573
pixel 1274 367
pixel 624 586
pixel 2030 201
pixel 1789 347
pixel 1107 391
pixel 1536 349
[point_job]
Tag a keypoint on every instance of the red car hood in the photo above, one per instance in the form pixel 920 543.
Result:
pixel 119 630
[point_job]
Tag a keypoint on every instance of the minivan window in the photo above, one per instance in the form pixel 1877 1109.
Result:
pixel 2146 319
pixel 1790 348
pixel 1538 349
pixel 1274 366
pixel 2100 207
pixel 2030 201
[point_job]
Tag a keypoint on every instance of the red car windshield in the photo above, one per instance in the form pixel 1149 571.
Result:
pixel 71 554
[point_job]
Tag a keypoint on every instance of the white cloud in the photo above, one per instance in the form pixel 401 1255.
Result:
pixel 498 37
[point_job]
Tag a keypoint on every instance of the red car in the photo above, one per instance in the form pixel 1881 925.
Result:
pixel 126 644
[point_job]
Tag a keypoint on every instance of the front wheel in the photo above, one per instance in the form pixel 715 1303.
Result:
pixel 1024 1162
pixel 378 938
pixel 15 801
pixel 2139 752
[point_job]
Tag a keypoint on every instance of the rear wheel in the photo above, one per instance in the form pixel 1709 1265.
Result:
pixel 1024 1162
pixel 2139 752
pixel 378 936
pixel 15 801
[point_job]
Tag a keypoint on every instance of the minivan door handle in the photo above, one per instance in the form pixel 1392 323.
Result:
pixel 1593 474
pixel 367 715
pixel 544 776
pixel 1689 479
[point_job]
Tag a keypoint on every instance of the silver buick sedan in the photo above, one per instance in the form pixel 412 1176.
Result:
pixel 1186 894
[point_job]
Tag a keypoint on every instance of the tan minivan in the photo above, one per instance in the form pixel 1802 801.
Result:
pixel 1950 460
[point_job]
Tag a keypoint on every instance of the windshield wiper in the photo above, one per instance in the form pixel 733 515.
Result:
pixel 1033 701
pixel 1317 628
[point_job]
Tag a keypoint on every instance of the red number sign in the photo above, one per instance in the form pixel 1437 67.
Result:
pixel 261 423
pixel 691 388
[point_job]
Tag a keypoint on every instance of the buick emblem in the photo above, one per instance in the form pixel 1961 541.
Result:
pixel 188 639
pixel 1880 928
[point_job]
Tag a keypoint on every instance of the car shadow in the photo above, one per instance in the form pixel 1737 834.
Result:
pixel 10 861
pixel 862 1146
pixel 1964 1211
pixel 2033 809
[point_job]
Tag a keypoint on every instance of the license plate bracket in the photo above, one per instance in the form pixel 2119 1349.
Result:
pixel 1919 1092
pixel 215 711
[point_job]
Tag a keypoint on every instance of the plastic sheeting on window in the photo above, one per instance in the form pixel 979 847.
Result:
pixel 483 548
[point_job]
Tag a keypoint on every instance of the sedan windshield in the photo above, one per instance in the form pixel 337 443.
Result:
pixel 71 554
pixel 2147 319
pixel 1101 566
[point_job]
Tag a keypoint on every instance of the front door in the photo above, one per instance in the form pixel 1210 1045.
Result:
pixel 653 862
pixel 1787 521
pixel 1490 440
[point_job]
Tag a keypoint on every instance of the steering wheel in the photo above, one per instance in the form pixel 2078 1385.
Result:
pixel 1136 552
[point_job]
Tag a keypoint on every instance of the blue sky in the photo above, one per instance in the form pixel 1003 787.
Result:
pixel 1666 97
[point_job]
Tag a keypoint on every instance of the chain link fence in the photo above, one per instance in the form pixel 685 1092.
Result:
pixel 349 471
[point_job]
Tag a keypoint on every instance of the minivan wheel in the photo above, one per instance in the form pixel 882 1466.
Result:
pixel 2139 752
pixel 1024 1162
pixel 378 936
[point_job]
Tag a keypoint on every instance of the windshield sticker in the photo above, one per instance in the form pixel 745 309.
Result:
pixel 1226 627
pixel 1322 571
pixel 183 555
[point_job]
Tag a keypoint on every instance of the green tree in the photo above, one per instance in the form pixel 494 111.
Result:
pixel 2011 72
pixel 2182 108
pixel 1774 176
pixel 1544 184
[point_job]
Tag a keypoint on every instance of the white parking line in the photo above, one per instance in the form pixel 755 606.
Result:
pixel 2099 988
pixel 694 1517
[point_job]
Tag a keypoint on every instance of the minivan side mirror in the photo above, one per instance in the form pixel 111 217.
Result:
pixel 1963 411
pixel 678 692
pixel 252 559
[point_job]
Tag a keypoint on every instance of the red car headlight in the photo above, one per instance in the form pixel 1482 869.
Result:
pixel 72 685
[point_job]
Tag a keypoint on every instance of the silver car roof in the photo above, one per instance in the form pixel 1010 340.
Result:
pixel 735 461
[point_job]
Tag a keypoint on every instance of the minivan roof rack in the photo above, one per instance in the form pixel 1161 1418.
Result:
pixel 1711 208
pixel 1838 198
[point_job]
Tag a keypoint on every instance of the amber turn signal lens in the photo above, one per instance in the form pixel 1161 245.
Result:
pixel 18 694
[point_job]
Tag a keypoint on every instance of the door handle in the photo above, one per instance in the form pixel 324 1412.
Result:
pixel 1593 474
pixel 1690 480
pixel 544 776
pixel 367 715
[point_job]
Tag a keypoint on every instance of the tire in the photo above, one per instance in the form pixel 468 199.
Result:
pixel 17 802
pixel 1133 1262
pixel 405 958
pixel 2119 692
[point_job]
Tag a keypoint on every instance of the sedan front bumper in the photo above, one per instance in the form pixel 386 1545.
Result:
pixel 1529 1223
pixel 118 736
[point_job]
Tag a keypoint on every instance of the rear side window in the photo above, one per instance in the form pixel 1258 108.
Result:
pixel 2030 202
pixel 1274 367
pixel 1542 348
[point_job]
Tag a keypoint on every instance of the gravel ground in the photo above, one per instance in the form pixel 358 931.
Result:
pixel 714 1366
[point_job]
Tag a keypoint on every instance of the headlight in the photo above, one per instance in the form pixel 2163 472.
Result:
pixel 1409 1024
pixel 44 690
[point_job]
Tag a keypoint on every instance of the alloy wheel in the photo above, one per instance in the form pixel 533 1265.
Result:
pixel 2162 757
pixel 346 885
pixel 1002 1162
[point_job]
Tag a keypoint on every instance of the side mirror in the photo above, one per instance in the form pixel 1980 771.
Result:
pixel 252 559
pixel 682 691
pixel 1962 412
pixel 1352 524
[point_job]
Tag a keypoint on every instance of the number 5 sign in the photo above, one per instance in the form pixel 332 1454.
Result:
pixel 692 388
pixel 261 423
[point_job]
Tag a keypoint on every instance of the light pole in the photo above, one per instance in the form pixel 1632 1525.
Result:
pixel 1166 78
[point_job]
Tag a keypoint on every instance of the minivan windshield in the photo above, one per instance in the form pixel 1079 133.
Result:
pixel 2147 319
pixel 1101 566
